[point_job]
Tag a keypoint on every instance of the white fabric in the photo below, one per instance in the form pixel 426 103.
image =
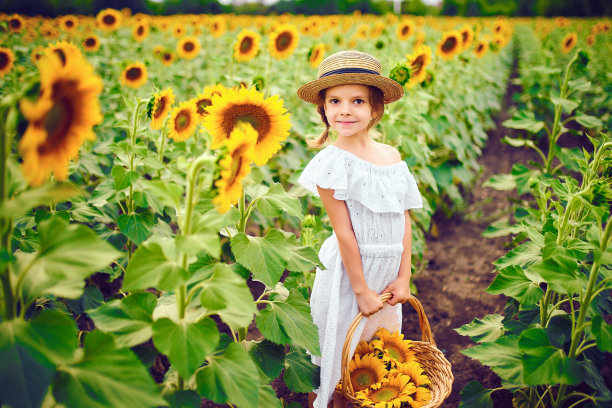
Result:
pixel 376 198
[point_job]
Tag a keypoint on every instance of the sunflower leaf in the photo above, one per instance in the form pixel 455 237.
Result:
pixel 474 395
pixel 137 227
pixel 151 267
pixel 503 356
pixel 34 197
pixel 487 329
pixel 122 177
pixel 277 201
pixel 514 282
pixel 301 375
pixel 265 257
pixel 524 120
pixel 269 356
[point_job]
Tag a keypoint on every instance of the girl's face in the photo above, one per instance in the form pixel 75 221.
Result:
pixel 348 109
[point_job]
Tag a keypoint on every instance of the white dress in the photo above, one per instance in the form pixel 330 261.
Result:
pixel 376 198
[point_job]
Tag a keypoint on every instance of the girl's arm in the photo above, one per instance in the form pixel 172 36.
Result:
pixel 338 214
pixel 400 287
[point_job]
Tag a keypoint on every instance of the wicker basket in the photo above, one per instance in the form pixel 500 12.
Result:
pixel 435 365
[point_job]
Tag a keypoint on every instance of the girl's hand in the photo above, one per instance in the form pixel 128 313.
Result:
pixel 368 302
pixel 400 289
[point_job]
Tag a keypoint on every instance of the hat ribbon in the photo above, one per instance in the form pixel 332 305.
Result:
pixel 349 71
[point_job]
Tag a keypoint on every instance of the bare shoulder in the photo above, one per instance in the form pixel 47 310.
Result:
pixel 390 153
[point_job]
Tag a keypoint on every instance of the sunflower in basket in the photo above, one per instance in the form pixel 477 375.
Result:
pixel 385 373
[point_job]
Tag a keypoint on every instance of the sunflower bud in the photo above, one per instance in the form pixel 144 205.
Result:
pixel 400 74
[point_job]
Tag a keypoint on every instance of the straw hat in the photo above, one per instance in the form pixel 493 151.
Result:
pixel 350 67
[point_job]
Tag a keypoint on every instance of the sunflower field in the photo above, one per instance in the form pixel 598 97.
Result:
pixel 156 249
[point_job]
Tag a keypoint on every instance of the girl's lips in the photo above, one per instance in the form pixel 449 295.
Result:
pixel 344 122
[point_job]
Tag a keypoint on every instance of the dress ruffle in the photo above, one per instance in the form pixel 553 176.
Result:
pixel 379 188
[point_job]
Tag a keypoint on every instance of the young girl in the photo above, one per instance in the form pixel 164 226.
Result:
pixel 367 191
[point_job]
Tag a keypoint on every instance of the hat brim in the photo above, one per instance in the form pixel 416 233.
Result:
pixel 392 90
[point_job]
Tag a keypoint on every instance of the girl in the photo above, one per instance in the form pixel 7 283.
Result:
pixel 367 191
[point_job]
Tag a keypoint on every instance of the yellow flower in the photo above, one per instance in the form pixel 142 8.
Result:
pixel 421 397
pixel 362 31
pixel 15 23
pixel 416 373
pixel 35 56
pixel 7 58
pixel 167 57
pixel 204 100
pixel 316 55
pixel 283 41
pixel 183 121
pixel 140 31
pixel 363 348
pixel 217 26
pixel 467 36
pixel 366 371
pixel 134 75
pixel 404 29
pixel 69 23
pixel 246 46
pixel 267 116
pixel 418 63
pixel 178 31
pixel 569 42
pixel 162 104
pixel 64 50
pixel 391 392
pixel 235 165
pixel 61 118
pixel 450 45
pixel 109 19
pixel 393 345
pixel 481 48
pixel 188 47
pixel 91 43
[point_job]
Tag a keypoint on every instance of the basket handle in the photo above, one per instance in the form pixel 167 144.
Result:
pixel 346 358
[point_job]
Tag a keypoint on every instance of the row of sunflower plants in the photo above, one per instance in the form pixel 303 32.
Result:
pixel 552 342
pixel 182 284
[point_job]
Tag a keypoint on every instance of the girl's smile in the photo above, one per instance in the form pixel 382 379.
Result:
pixel 348 109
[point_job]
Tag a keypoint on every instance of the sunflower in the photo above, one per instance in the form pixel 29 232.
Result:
pixel 48 31
pixel 162 103
pixel 393 345
pixel 363 348
pixel 61 118
pixel 235 166
pixel 404 30
pixel 109 19
pixel 204 100
pixel 414 370
pixel 365 371
pixel 69 23
pixel 283 41
pixel 420 39
pixel 188 47
pixel 134 75
pixel 217 26
pixel 158 49
pixel 481 48
pixel 467 36
pixel 246 46
pixel 15 23
pixel 167 57
pixel 267 116
pixel 183 121
pixel 178 31
pixel 590 40
pixel 91 43
pixel 400 74
pixel 7 58
pixel 363 30
pixel 64 50
pixel 391 392
pixel 140 31
pixel 421 397
pixel 569 42
pixel 418 63
pixel 449 45
pixel 316 54
pixel 36 54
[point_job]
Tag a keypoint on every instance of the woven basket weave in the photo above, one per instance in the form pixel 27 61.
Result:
pixel 435 365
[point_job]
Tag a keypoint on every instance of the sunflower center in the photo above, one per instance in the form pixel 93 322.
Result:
pixel 283 41
pixel 15 23
pixel 246 44
pixel 479 48
pixel 384 394
pixel 189 46
pixel 449 44
pixel 140 30
pixel 109 19
pixel 61 54
pixel 417 65
pixel 4 60
pixel 568 42
pixel 167 56
pixel 57 121
pixel 395 352
pixel 182 121
pixel 133 73
pixel 255 115
pixel 159 109
pixel 202 104
pixel 69 23
pixel 90 42
pixel 362 378
pixel 405 30
pixel 315 55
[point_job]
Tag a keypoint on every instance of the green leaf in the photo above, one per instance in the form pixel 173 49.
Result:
pixel 268 398
pixel 168 194
pixel 303 258
pixel 588 121
pixel 503 356
pixel 525 254
pixel 545 364
pixel 92 297
pixel 593 377
pixel 501 182
pixel 265 257
pixel 230 378
pixel 129 319
pixel 29 352
pixel 501 228
pixel 24 202
pixel 560 272
pixel 524 120
pixel 270 357
pixel 301 375
pixel 137 227
pixel 276 201
pixel 151 268
pixel 289 321
pixel 184 399
pixel 603 333
pixel 122 177
pixel 227 294
pixel 187 344
pixel 567 105
pixel 512 281
pixel 474 395
pixel 488 329
pixel 105 376
pixel 68 254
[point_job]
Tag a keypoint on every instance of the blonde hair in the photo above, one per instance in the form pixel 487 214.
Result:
pixel 376 101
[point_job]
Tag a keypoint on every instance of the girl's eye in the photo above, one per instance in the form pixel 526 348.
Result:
pixel 333 100
pixel 359 101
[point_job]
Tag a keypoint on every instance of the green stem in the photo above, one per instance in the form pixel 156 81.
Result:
pixel 544 307
pixel 241 227
pixel 7 132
